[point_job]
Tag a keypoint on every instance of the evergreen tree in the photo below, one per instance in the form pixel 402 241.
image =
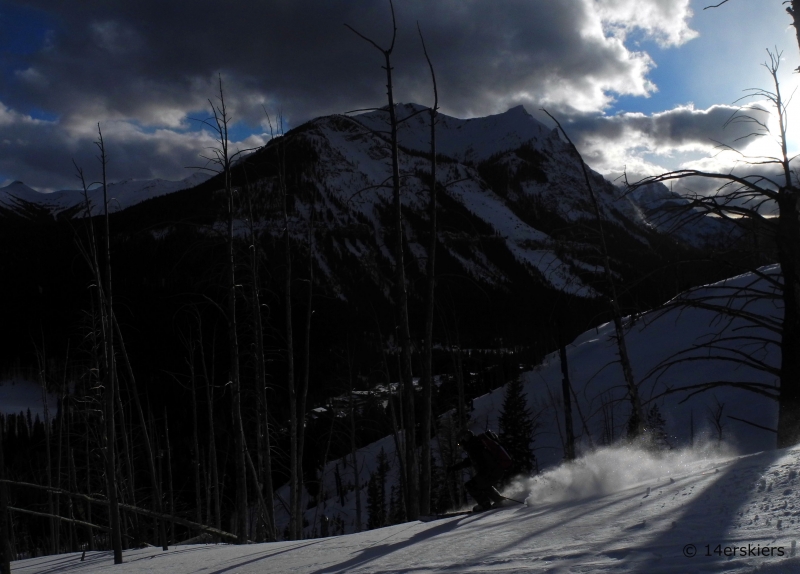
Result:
pixel 376 494
pixel 516 429
pixel 441 499
pixel 339 487
pixel 656 430
pixel 397 512
pixel 374 517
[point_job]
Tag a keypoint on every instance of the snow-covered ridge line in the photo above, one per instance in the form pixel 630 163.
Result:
pixel 121 194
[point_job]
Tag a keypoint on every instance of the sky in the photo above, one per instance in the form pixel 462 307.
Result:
pixel 641 85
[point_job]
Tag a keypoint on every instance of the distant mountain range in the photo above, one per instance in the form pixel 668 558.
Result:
pixel 71 202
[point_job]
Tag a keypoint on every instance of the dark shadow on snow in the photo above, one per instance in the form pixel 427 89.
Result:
pixel 265 556
pixel 711 516
pixel 377 551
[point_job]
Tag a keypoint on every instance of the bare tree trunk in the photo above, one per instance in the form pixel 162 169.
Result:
pixel 789 257
pixel 71 480
pixel 73 486
pixel 569 450
pixel 60 451
pixel 212 448
pixel 290 367
pixel 261 503
pixel 110 377
pixel 143 511
pixel 401 296
pixel 267 446
pixel 794 12
pixel 92 260
pixel 398 442
pixel 263 446
pixel 636 424
pixel 89 487
pixel 788 241
pixel 209 512
pixel 427 359
pixel 224 160
pixel 169 479
pixel 5 534
pixel 412 466
pixel 301 399
pixel 155 486
pixel 195 440
pixel 131 486
pixel 356 482
pixel 48 459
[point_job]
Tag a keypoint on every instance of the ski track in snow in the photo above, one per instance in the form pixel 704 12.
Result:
pixel 645 524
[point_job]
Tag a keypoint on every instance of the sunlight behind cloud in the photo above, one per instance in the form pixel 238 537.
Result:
pixel 666 21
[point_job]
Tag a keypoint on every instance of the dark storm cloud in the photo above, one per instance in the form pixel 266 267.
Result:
pixel 153 63
pixel 681 126
pixel 41 152
pixel 139 57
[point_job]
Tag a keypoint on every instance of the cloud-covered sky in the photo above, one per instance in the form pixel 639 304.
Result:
pixel 645 84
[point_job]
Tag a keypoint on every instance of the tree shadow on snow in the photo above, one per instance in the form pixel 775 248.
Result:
pixel 377 550
pixel 717 515
pixel 704 518
pixel 265 556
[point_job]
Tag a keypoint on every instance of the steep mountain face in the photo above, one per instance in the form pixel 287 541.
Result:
pixel 513 182
pixel 514 211
pixel 507 173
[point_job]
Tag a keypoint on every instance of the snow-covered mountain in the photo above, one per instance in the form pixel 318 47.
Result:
pixel 667 211
pixel 512 196
pixel 121 195
pixel 512 193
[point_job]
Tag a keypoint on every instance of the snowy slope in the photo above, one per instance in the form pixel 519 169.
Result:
pixel 600 410
pixel 683 513
pixel 676 331
pixel 121 194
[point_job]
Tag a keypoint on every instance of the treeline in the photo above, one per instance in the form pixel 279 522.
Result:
pixel 61 451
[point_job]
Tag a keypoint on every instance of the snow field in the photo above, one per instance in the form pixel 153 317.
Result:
pixel 684 520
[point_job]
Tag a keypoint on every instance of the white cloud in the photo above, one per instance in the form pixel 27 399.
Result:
pixel 9 117
pixel 666 21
